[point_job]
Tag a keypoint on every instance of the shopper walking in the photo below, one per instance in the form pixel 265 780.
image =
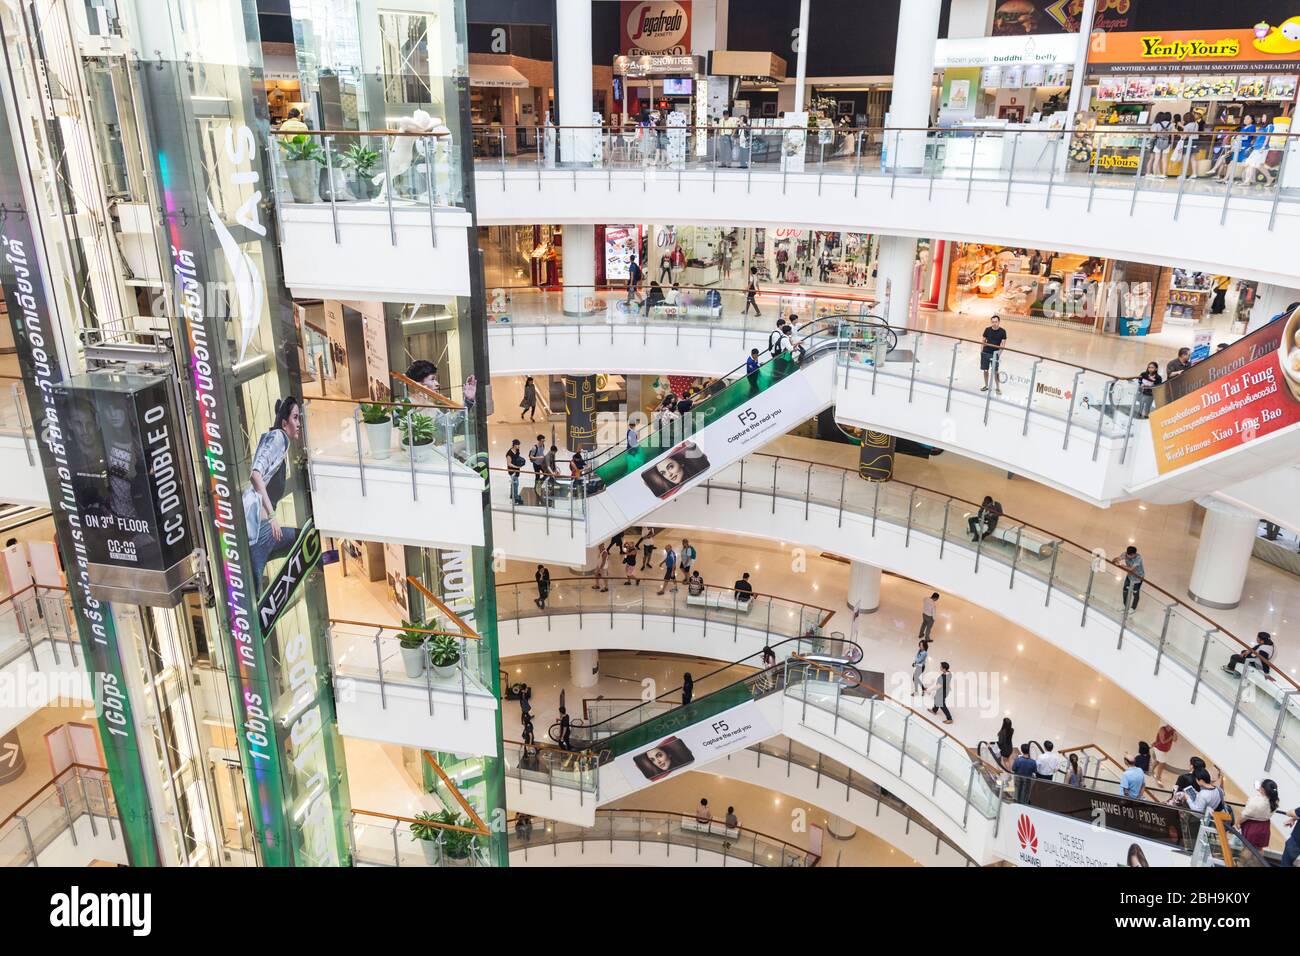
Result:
pixel 929 607
pixel 994 338
pixel 918 669
pixel 632 440
pixel 1257 813
pixel 751 370
pixel 629 563
pixel 669 564
pixel 647 545
pixel 723 144
pixel 1136 572
pixel 552 466
pixel 543 578
pixel 514 467
pixel 566 729
pixel 941 692
pixel 1025 769
pixel 602 569
pixel 687 557
pixel 633 280
pixel 774 337
pixel 688 688
pixel 526 724
pixel 537 455
pixel 1162 743
pixel 1160 144
pixel 528 404
pixel 751 292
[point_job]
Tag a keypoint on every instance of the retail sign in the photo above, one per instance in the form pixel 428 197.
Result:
pixel 1262 49
pixel 127 474
pixel 37 341
pixel 660 27
pixel 669 65
pixel 1037 838
pixel 1236 396
pixel 695 740
pixel 991 51
pixel 280 593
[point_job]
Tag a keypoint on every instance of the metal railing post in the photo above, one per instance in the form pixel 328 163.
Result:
pixel 329 175
pixel 1087 597
pixel 970 783
pixel 1029 404
pixel 1092 178
pixel 911 505
pixel 1205 647
pixel 1069 417
pixel 361 465
pixel 1137 180
pixel 432 168
pixel 1015 559
pixel 1107 395
pixel 943 532
pixel 22 424
pixel 952 374
pixel 1283 708
pixel 902 749
pixel 1164 630
pixel 1277 187
pixel 1011 169
pixel 388 194
pixel 839 523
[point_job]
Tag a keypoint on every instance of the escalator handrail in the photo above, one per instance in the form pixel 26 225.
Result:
pixel 738 663
pixel 724 381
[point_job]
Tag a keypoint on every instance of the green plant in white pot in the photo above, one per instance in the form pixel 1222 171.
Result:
pixel 426 831
pixel 303 159
pixel 444 655
pixel 376 420
pixel 360 162
pixel 417 435
pixel 412 641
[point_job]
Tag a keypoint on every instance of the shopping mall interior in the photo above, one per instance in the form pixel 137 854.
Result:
pixel 586 433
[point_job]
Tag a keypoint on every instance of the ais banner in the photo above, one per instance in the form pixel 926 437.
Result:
pixel 693 745
pixel 1248 390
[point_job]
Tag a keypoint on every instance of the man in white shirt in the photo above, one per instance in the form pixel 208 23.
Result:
pixel 1048 762
pixel 928 607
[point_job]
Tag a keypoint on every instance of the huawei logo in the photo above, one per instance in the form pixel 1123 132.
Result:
pixel 1026 834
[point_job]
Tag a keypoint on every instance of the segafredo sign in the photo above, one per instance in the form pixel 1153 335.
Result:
pixel 663 27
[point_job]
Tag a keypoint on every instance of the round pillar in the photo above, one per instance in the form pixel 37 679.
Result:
pixel 839 828
pixel 573 81
pixel 909 107
pixel 895 271
pixel 584 668
pixel 580 412
pixel 864 588
pixel 1223 555
pixel 579 252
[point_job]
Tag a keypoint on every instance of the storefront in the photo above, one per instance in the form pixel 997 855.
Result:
pixel 1062 288
pixel 1238 79
pixel 1016 80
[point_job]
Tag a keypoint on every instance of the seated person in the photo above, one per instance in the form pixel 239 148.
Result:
pixel 654 297
pixel 1258 656
pixel 744 591
pixel 695 584
pixel 981 524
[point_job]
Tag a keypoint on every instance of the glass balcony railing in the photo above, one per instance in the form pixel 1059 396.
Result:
pixel 745 846
pixel 1113 162
pixel 1179 634
pixel 383 839
pixel 78 802
pixel 36 615
pixel 418 440
pixel 15 419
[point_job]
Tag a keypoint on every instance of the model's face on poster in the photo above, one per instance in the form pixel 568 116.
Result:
pixel 672 470
pixel 293 424
pixel 660 759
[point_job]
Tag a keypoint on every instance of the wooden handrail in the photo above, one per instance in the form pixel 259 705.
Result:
pixel 45 786
pixel 438 397
pixel 398 627
pixel 455 792
pixel 367 401
pixel 433 599
pixel 801 851
pixel 427 823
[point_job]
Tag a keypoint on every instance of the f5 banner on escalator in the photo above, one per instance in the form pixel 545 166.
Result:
pixel 733 434
pixel 1240 394
pixel 693 745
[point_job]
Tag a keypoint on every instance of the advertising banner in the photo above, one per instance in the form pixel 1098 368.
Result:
pixel 37 344
pixel 729 437
pixel 234 322
pixel 1248 390
pixel 1039 838
pixel 693 745
pixel 659 27
pixel 1142 818
pixel 127 467
pixel 1244 48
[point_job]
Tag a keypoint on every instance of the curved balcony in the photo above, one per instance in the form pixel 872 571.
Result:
pixel 1167 653
pixel 1051 189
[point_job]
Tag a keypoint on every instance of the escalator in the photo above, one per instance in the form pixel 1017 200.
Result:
pixel 735 415
pixel 641 745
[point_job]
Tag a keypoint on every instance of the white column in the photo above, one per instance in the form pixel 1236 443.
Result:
pixel 839 828
pixel 1078 76
pixel 584 668
pixel 895 271
pixel 864 588
pixel 801 61
pixel 1223 556
pixel 579 268
pixel 970 18
pixel 918 29
pixel 1270 300
pixel 573 78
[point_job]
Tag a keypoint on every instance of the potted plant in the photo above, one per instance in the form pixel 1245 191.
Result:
pixel 457 845
pixel 377 422
pixel 303 159
pixel 426 832
pixel 444 655
pixel 417 435
pixel 360 162
pixel 412 642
